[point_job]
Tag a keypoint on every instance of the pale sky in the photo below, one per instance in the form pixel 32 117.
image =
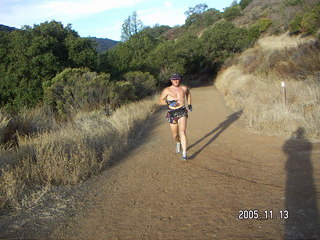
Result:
pixel 99 18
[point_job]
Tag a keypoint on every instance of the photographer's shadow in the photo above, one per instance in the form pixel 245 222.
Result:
pixel 215 132
pixel 300 196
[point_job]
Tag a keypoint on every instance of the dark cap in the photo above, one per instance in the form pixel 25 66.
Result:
pixel 175 76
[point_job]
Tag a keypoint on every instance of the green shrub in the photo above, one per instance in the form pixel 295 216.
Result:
pixel 244 3
pixel 290 2
pixel 224 40
pixel 76 88
pixel 262 24
pixel 144 83
pixel 232 12
pixel 121 92
pixel 310 22
pixel 295 24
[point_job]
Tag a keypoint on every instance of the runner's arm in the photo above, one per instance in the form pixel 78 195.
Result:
pixel 188 96
pixel 163 97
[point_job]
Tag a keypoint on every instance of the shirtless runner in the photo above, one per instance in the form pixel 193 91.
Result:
pixel 175 97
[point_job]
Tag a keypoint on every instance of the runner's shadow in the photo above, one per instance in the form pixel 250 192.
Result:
pixel 221 127
pixel 301 196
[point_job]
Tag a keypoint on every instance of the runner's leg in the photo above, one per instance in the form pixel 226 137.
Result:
pixel 175 133
pixel 182 123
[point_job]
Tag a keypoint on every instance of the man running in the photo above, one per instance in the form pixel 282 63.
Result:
pixel 175 96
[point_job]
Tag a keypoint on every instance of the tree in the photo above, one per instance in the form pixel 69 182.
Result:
pixel 166 59
pixel 199 8
pixel 194 13
pixel 224 40
pixel 130 27
pixel 33 56
pixel 130 55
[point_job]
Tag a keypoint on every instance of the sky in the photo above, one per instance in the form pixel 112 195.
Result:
pixel 99 18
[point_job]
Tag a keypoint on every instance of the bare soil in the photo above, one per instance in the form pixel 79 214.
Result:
pixel 151 194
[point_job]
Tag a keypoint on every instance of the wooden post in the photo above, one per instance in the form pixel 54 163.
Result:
pixel 284 93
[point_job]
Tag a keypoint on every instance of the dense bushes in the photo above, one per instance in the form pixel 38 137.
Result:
pixel 144 82
pixel 223 40
pixel 76 88
pixel 232 12
pixel 32 56
pixel 244 3
pixel 121 92
pixel 308 22
pixel 290 2
pixel 128 56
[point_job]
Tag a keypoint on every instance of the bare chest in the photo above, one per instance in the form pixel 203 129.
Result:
pixel 177 93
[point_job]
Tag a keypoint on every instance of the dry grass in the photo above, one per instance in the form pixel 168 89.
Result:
pixel 253 84
pixel 27 122
pixel 70 154
pixel 283 41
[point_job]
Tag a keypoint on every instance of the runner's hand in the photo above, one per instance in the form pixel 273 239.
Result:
pixel 190 107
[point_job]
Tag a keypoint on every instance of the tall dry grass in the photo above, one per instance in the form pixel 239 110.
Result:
pixel 253 84
pixel 70 154
pixel 27 122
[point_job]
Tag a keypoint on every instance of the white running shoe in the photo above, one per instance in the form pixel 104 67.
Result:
pixel 178 148
pixel 184 157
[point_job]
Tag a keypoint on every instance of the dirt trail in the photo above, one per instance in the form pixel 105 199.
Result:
pixel 152 194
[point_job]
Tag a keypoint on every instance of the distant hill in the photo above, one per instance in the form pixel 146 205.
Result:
pixel 6 28
pixel 103 43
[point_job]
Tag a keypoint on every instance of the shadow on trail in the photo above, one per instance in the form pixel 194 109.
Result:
pixel 301 196
pixel 218 130
pixel 137 139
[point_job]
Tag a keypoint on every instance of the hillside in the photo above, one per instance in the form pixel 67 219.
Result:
pixel 103 44
pixel 5 28
pixel 266 17
pixel 280 12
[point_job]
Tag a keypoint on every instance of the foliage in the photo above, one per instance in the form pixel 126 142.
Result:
pixel 291 2
pixel 76 88
pixel 232 12
pixel 144 83
pixel 165 59
pixel 130 27
pixel 244 3
pixel 310 22
pixel 307 23
pixel 295 24
pixel 195 13
pixel 130 55
pixel 198 9
pixel 190 49
pixel 121 92
pixel 156 31
pixel 32 56
pixel 224 40
pixel 262 25
pixel 204 19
